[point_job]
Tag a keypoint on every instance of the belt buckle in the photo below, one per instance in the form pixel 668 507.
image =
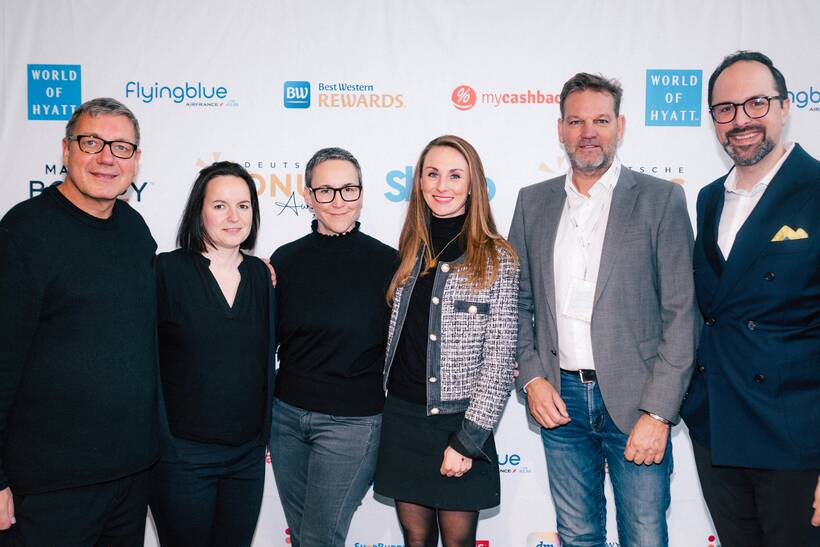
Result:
pixel 584 378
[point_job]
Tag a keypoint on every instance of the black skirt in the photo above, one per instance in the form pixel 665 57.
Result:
pixel 410 454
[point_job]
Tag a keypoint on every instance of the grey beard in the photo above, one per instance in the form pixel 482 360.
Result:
pixel 762 151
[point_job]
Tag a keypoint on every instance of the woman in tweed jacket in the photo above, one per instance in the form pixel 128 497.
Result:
pixel 450 353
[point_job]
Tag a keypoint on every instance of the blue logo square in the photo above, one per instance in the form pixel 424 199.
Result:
pixel 673 97
pixel 297 94
pixel 54 91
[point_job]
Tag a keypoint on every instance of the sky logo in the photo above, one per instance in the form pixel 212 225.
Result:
pixel 54 91
pixel 297 94
pixel 673 97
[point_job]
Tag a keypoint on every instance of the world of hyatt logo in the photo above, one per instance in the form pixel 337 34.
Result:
pixel 54 91
pixel 673 97
pixel 190 93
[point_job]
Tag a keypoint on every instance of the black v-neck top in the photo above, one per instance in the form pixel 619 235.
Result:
pixel 213 357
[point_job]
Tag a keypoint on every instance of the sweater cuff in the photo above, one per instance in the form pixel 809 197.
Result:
pixel 469 441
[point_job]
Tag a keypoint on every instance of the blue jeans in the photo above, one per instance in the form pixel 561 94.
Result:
pixel 323 466
pixel 209 495
pixel 577 456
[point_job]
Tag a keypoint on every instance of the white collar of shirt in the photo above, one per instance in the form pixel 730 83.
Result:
pixel 606 184
pixel 731 180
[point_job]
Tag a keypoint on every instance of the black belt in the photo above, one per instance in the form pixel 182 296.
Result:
pixel 587 375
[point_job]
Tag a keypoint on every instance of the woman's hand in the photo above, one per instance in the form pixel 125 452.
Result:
pixel 454 464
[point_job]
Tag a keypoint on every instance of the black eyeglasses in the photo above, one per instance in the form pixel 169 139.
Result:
pixel 326 194
pixel 756 107
pixel 94 145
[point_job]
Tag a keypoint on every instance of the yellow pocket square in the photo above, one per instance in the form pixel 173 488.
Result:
pixel 787 233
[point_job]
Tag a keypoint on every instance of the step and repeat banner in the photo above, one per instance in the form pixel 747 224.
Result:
pixel 267 83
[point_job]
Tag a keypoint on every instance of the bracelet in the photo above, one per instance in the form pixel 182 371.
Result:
pixel 659 418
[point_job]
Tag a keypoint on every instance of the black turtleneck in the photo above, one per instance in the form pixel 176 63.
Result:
pixel 408 375
pixel 332 321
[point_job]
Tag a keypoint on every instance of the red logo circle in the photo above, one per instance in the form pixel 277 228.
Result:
pixel 463 97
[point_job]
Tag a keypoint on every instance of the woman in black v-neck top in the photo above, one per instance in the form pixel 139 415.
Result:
pixel 215 323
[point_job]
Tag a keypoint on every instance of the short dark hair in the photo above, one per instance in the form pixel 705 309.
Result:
pixel 103 106
pixel 192 235
pixel 332 153
pixel 756 56
pixel 595 82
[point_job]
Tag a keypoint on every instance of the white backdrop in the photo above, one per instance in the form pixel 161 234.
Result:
pixel 384 78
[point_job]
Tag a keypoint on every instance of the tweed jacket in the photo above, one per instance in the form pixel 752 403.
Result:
pixel 470 347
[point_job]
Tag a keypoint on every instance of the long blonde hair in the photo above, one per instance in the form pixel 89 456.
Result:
pixel 479 231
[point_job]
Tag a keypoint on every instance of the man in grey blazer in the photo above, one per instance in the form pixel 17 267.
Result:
pixel 606 323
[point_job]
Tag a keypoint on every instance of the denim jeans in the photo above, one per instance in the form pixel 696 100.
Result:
pixel 323 466
pixel 210 495
pixel 576 456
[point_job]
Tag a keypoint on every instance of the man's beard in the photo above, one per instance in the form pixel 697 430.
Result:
pixel 760 151
pixel 592 167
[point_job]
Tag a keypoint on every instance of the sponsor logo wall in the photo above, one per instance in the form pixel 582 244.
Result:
pixel 269 86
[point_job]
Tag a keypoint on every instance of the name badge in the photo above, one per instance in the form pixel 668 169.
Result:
pixel 578 304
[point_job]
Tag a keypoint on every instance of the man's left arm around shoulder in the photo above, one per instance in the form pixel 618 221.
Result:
pixel 672 369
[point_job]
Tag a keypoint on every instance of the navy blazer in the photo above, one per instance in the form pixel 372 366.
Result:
pixel 755 396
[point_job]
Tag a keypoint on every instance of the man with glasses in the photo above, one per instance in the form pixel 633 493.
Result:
pixel 753 408
pixel 78 369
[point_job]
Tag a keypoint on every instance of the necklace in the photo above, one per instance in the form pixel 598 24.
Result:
pixel 433 263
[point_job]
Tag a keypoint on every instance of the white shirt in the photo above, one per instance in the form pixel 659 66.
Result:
pixel 577 254
pixel 738 204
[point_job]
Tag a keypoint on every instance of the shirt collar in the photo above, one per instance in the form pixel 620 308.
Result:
pixel 605 184
pixel 731 180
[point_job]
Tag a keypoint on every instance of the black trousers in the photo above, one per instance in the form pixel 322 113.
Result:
pixel 758 507
pixel 109 514
pixel 209 496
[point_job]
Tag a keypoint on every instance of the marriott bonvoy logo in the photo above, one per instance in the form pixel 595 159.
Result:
pixel 465 97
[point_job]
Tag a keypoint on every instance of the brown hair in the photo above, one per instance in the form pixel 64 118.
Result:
pixel 479 232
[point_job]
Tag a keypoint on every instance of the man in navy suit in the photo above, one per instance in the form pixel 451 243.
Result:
pixel 753 408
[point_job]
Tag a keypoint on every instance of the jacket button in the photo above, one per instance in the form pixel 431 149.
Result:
pixel 751 325
pixel 433 379
pixel 768 276
pixel 436 300
pixel 472 310
pixel 434 410
pixel 433 337
pixel 710 321
pixel 445 267
pixel 554 352
pixel 701 369
pixel 759 378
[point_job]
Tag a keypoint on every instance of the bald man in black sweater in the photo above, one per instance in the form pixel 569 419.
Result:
pixel 78 359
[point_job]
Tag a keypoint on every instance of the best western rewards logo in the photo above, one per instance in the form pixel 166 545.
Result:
pixel 297 94
pixel 465 97
pixel 190 94
pixel 673 97
pixel 54 91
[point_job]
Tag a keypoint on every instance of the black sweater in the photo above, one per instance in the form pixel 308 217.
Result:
pixel 214 358
pixel 78 353
pixel 332 322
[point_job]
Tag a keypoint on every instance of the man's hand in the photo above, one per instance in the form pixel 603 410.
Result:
pixel 272 271
pixel 6 509
pixel 815 519
pixel 545 405
pixel 454 464
pixel 647 441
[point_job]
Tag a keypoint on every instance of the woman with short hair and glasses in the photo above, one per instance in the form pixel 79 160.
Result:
pixel 332 330
pixel 450 353
pixel 216 346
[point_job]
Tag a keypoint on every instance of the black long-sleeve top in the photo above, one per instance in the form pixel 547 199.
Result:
pixel 408 375
pixel 78 352
pixel 332 322
pixel 214 358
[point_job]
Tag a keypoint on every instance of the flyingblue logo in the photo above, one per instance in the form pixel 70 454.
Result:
pixel 297 94
pixel 806 98
pixel 673 97
pixel 54 91
pixel 191 93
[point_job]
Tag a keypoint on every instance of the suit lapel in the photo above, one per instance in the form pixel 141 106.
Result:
pixel 553 208
pixel 623 201
pixel 711 218
pixel 778 206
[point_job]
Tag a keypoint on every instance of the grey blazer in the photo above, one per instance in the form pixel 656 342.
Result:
pixel 643 317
